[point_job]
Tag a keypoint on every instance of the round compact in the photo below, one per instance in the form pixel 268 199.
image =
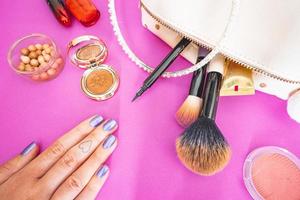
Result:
pixel 272 173
pixel 99 81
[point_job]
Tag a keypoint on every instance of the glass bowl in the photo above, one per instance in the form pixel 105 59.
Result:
pixel 36 57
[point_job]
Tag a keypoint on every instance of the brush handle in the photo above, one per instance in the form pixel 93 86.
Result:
pixel 213 86
pixel 167 61
pixel 198 80
pixel 211 96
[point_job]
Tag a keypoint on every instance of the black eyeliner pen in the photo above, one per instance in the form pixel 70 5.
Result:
pixel 163 66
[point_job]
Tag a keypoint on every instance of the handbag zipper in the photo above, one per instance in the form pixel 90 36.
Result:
pixel 206 46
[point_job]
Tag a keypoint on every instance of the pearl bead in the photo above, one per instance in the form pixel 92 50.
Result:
pixel 55 66
pixel 44 76
pixel 25 59
pixel 51 72
pixel 59 61
pixel 35 77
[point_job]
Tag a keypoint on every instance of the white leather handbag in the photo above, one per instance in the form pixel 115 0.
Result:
pixel 264 37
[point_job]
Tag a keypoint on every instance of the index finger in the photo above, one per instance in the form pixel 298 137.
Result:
pixel 39 166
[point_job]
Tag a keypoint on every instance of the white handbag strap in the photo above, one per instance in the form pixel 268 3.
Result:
pixel 116 28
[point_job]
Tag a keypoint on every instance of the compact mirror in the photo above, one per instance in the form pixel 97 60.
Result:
pixel 99 81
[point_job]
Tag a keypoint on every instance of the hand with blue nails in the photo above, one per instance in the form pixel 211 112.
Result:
pixel 71 168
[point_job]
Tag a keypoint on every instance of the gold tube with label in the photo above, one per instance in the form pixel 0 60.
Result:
pixel 237 81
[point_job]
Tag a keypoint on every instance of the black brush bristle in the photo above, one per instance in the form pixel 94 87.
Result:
pixel 202 148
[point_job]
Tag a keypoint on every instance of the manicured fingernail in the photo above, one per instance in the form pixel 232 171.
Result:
pixel 109 125
pixel 109 142
pixel 28 149
pixel 104 169
pixel 96 121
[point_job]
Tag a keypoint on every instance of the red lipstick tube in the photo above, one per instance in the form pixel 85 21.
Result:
pixel 83 10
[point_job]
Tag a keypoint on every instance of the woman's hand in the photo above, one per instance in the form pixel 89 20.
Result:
pixel 71 168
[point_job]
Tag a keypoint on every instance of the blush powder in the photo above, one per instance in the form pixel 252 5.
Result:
pixel 272 173
pixel 99 81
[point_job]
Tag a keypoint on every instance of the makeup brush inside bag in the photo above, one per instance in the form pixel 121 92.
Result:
pixel 202 148
pixel 192 106
pixel 163 66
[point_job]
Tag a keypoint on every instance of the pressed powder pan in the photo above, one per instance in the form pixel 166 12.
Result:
pixel 99 81
pixel 89 52
pixel 272 173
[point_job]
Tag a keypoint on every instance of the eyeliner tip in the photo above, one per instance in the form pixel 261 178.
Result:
pixel 139 93
pixel 134 98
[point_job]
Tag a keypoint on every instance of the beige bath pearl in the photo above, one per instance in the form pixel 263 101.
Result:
pixel 43 65
pixel 47 50
pixel 44 52
pixel 38 52
pixel 52 53
pixel 34 62
pixel 21 66
pixel 25 51
pixel 25 59
pixel 35 77
pixel 46 46
pixel 59 61
pixel 44 76
pixel 55 66
pixel 39 46
pixel 31 48
pixel 28 68
pixel 32 55
pixel 51 72
pixel 52 49
pixel 47 57
pixel 41 59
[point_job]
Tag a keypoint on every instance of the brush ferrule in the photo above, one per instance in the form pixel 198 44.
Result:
pixel 217 65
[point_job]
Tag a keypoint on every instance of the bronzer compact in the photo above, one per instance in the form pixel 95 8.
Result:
pixel 99 81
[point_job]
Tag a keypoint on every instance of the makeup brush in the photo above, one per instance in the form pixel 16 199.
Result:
pixel 192 106
pixel 163 66
pixel 202 148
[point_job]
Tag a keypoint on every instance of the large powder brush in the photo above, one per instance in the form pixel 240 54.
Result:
pixel 202 148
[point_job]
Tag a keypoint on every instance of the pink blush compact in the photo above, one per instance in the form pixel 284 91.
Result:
pixel 272 173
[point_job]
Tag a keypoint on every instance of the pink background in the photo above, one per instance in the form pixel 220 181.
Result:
pixel 145 165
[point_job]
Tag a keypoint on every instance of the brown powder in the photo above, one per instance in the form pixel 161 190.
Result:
pixel 99 81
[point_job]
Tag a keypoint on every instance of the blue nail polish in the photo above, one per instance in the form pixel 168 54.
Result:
pixel 96 121
pixel 109 125
pixel 109 142
pixel 104 169
pixel 28 149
